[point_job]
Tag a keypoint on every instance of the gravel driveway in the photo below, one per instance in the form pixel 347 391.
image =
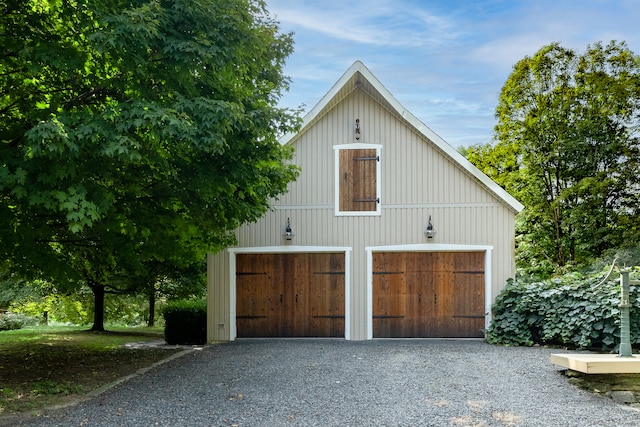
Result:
pixel 325 382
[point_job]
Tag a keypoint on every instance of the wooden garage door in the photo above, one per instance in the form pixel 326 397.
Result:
pixel 290 295
pixel 428 294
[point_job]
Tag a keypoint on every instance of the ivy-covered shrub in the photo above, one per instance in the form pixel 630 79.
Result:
pixel 185 322
pixel 574 310
pixel 10 321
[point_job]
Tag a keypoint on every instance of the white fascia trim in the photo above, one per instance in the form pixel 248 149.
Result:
pixel 233 333
pixel 462 161
pixel 432 247
pixel 359 67
pixel 441 143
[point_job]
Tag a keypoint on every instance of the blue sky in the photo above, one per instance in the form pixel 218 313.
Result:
pixel 445 61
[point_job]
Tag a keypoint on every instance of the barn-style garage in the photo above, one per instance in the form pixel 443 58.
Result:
pixel 391 233
pixel 290 295
pixel 428 294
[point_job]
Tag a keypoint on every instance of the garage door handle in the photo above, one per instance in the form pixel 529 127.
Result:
pixel 435 299
pixel 280 298
pixel 296 298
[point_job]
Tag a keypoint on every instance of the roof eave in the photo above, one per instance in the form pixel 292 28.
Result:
pixel 394 104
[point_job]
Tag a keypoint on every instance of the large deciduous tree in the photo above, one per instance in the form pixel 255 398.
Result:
pixel 567 147
pixel 135 133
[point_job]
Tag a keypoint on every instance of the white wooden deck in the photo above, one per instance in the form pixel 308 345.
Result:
pixel 598 363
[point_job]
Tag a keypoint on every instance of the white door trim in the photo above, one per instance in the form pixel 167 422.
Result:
pixel 429 247
pixel 283 250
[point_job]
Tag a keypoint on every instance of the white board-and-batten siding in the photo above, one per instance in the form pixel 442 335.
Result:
pixel 418 181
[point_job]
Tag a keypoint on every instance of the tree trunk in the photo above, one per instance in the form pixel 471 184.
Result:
pixel 152 308
pixel 98 307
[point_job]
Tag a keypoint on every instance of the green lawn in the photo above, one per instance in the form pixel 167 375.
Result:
pixel 41 366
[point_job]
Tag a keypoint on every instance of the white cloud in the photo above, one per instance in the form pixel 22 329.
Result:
pixel 386 23
pixel 445 61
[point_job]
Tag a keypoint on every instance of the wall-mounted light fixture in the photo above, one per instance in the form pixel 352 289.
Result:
pixel 288 233
pixel 430 232
pixel 357 129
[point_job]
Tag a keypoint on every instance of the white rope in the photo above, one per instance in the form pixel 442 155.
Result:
pixel 606 278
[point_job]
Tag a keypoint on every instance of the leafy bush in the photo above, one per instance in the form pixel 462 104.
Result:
pixel 185 322
pixel 77 308
pixel 55 308
pixel 10 321
pixel 571 310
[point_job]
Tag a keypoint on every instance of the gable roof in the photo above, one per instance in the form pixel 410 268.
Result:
pixel 359 76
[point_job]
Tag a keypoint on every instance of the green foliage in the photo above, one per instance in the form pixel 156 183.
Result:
pixel 42 300
pixel 567 147
pixel 51 388
pixel 45 303
pixel 135 136
pixel 77 308
pixel 11 321
pixel 186 322
pixel 570 310
pixel 13 290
